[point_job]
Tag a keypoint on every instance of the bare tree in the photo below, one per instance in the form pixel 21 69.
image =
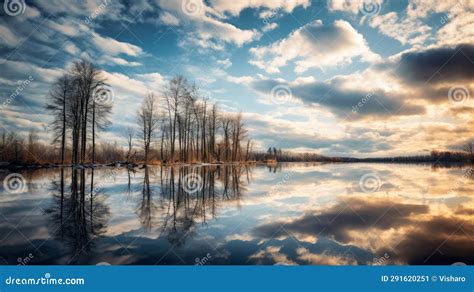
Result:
pixel 60 95
pixel 174 94
pixel 87 79
pixel 74 107
pixel 130 135
pixel 148 120
pixel 101 111
pixel 226 127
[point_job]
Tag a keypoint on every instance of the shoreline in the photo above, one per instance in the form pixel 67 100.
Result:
pixel 200 164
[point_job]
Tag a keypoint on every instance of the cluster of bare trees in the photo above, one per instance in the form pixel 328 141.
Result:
pixel 186 128
pixel 15 149
pixel 78 112
pixel 177 125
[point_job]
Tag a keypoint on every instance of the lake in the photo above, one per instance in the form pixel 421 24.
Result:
pixel 290 214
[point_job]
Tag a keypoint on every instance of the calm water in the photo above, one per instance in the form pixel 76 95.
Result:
pixel 304 214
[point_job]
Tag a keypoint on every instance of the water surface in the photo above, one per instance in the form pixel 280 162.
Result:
pixel 295 214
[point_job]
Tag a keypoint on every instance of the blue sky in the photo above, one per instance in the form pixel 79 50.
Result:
pixel 337 77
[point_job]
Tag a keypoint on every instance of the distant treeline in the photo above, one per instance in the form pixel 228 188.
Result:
pixel 278 155
pixel 434 157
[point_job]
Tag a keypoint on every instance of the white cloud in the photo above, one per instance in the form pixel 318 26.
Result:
pixel 365 7
pixel 31 12
pixel 240 80
pixel 314 45
pixel 67 27
pixel 226 63
pixel 154 81
pixel 71 48
pixel 351 6
pixel 18 70
pixel 270 26
pixel 114 47
pixel 140 6
pixel 413 27
pixel 8 37
pixel 169 19
pixel 117 61
pixel 207 30
pixel 405 30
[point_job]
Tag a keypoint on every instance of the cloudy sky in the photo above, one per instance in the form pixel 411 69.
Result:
pixel 336 77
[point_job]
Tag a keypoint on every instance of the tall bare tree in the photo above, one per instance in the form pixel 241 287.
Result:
pixel 60 95
pixel 87 78
pixel 148 120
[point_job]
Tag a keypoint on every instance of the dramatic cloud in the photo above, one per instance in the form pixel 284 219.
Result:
pixel 446 235
pixel 350 215
pixel 342 98
pixel 314 45
pixel 436 65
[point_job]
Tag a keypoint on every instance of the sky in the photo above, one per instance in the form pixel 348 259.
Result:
pixel 335 77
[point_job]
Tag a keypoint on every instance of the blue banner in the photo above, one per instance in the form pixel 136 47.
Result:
pixel 236 278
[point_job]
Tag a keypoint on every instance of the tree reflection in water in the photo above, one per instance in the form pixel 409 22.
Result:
pixel 78 215
pixel 137 216
pixel 181 208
